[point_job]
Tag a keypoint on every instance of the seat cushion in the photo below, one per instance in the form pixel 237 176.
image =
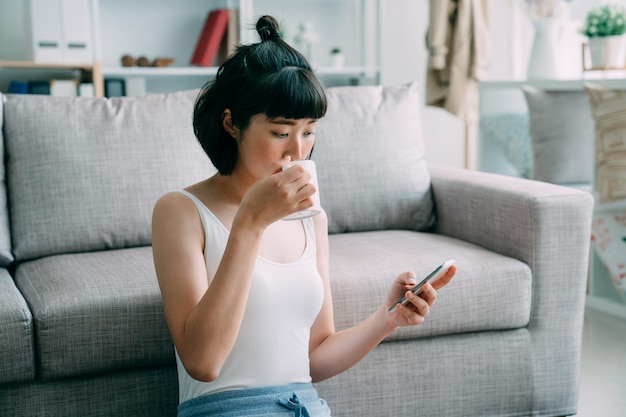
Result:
pixel 6 257
pixel 84 173
pixel 17 361
pixel 102 311
pixel 371 169
pixel 489 292
pixel 96 312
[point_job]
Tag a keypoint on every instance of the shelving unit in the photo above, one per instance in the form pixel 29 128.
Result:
pixel 173 31
pixel 91 73
pixel 166 29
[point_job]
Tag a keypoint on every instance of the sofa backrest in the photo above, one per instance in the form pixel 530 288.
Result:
pixel 371 168
pixel 83 174
pixel 6 257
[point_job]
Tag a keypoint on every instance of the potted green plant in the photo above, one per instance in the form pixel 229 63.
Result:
pixel 605 28
pixel 337 57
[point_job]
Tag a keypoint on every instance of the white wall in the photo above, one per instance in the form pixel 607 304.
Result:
pixel 404 59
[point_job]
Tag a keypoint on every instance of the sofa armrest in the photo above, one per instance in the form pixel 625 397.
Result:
pixel 528 220
pixel 544 225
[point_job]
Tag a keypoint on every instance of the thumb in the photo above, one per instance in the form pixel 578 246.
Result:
pixel 407 278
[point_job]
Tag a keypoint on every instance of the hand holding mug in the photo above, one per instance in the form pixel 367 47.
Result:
pixel 309 166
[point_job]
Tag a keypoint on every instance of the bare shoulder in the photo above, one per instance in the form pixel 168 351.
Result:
pixel 174 215
pixel 172 203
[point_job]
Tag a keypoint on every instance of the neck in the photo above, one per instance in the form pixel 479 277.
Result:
pixel 233 187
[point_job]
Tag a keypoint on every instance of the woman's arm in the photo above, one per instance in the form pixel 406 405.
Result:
pixel 203 319
pixel 334 352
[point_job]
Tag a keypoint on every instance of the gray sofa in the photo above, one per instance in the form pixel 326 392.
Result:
pixel 81 322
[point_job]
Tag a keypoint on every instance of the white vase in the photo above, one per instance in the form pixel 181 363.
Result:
pixel 337 60
pixel 545 60
pixel 607 52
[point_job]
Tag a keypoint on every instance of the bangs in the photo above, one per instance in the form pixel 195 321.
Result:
pixel 294 93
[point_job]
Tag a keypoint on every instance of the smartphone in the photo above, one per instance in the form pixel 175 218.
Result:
pixel 432 277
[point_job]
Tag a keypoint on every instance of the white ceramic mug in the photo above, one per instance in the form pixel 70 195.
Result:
pixel 308 165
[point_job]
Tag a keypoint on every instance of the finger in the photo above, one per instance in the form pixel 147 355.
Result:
pixel 446 278
pixel 277 166
pixel 409 315
pixel 428 294
pixel 421 305
pixel 298 176
pixel 407 279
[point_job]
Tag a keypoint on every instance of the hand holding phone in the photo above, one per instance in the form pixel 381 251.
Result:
pixel 437 273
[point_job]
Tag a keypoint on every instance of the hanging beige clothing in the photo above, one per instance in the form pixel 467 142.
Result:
pixel 458 44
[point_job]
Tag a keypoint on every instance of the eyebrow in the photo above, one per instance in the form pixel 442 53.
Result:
pixel 290 122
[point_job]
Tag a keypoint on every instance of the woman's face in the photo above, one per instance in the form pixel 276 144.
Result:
pixel 267 140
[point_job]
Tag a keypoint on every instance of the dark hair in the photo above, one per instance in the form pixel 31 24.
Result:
pixel 269 77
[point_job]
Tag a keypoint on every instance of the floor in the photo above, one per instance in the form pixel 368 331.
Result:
pixel 603 369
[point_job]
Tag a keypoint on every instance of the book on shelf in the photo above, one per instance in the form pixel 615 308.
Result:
pixel 135 86
pixel 64 88
pixel 114 87
pixel 210 38
pixel 230 40
pixel 86 90
pixel 18 87
pixel 39 87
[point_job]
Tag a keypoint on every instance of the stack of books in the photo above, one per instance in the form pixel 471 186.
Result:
pixel 53 87
pixel 218 38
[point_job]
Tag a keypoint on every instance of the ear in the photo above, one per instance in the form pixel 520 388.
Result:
pixel 227 124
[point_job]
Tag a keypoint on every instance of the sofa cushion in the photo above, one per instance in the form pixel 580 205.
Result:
pixel 84 173
pixel 608 107
pixel 489 292
pixel 96 312
pixel 561 131
pixel 371 168
pixel 6 257
pixel 102 311
pixel 17 362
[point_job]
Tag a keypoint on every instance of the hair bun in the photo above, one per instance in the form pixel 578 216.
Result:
pixel 267 28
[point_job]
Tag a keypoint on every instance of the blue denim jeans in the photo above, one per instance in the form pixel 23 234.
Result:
pixel 292 400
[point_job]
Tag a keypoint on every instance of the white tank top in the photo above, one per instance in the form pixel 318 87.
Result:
pixel 272 347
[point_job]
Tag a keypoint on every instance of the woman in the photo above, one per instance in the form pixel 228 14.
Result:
pixel 246 295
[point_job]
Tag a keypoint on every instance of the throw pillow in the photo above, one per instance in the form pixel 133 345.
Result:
pixel 510 132
pixel 84 173
pixel 609 111
pixel 370 160
pixel 561 131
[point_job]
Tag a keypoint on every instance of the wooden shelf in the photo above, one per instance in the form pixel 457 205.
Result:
pixel 210 71
pixel 44 65
pixel 158 71
pixel 611 79
pixel 94 69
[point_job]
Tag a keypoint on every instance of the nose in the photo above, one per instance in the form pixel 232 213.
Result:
pixel 296 149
